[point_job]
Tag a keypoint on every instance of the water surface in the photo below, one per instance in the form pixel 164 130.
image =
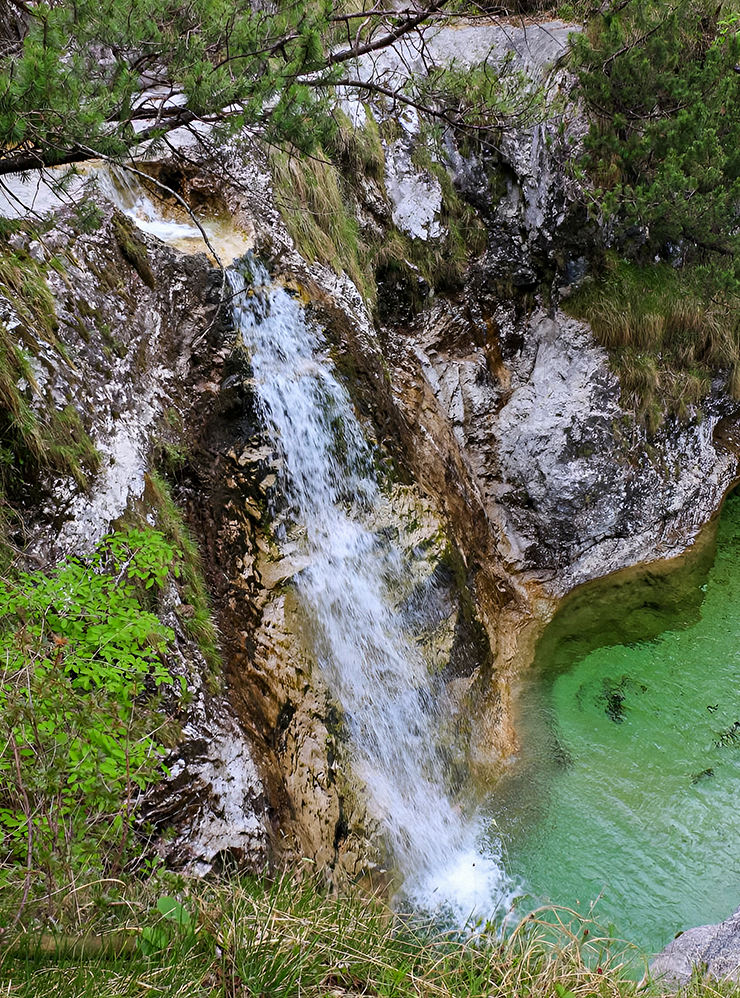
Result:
pixel 625 797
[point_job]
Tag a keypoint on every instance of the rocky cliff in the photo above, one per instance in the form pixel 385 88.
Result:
pixel 513 466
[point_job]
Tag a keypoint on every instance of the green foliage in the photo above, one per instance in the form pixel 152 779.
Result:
pixel 175 920
pixel 664 153
pixel 58 98
pixel 87 216
pixel 487 100
pixel 319 202
pixel 665 144
pixel 357 150
pixel 82 663
pixel 132 247
pixel 273 69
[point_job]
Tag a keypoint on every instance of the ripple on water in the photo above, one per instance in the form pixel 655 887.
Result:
pixel 631 765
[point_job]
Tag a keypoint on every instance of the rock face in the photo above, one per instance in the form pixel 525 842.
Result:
pixel 515 470
pixel 708 950
pixel 137 328
pixel 572 487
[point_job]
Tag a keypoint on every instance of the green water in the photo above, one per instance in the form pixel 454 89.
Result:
pixel 626 795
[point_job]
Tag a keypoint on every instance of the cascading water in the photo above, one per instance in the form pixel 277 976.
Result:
pixel 346 591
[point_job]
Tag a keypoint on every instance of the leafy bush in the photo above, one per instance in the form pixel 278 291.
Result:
pixel 82 664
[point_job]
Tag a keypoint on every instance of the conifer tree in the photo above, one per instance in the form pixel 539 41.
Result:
pixel 86 77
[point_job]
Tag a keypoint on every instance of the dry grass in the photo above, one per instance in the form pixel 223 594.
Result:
pixel 667 331
pixel 290 937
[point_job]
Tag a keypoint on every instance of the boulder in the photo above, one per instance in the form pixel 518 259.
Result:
pixel 707 950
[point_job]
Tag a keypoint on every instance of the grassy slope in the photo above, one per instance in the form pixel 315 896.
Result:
pixel 289 938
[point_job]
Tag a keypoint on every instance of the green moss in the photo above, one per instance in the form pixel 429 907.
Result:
pixel 133 248
pixel 195 611
pixel 70 450
pixel 87 217
pixel 35 436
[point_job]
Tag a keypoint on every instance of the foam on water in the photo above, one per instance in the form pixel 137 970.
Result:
pixel 373 669
pixel 128 194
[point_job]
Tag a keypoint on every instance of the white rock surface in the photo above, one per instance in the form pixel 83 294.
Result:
pixel 709 950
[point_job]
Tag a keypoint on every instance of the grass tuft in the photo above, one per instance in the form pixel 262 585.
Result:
pixel 309 196
pixel 35 436
pixel 667 330
pixel 288 937
pixel 195 616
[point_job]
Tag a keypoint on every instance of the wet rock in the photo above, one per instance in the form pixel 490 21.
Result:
pixel 126 351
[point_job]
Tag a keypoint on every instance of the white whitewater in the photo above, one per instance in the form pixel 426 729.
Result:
pixel 380 680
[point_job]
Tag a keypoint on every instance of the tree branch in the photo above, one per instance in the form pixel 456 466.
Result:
pixel 410 24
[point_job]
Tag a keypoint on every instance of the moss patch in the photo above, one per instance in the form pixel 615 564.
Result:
pixel 35 435
pixel 133 248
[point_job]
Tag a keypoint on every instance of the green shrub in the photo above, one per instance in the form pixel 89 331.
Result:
pixel 82 665
pixel 664 144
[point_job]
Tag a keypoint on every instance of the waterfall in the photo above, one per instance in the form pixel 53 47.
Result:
pixel 345 589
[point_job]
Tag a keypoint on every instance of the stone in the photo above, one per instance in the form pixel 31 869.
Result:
pixel 19 240
pixel 415 195
pixel 708 950
pixel 37 252
pixel 523 477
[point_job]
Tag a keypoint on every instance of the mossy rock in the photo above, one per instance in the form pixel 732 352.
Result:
pixel 133 248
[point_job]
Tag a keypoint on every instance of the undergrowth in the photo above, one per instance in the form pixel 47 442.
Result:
pixel 288 937
pixel 661 165
pixel 320 199
pixel 83 663
pixel 35 436
pixel 667 330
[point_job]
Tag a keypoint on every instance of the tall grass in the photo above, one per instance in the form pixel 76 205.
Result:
pixel 668 331
pixel 308 193
pixel 289 938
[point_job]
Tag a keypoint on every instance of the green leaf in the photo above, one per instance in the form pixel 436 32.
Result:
pixel 171 908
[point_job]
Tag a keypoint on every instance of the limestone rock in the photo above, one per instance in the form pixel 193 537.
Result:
pixel 709 950
pixel 416 196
